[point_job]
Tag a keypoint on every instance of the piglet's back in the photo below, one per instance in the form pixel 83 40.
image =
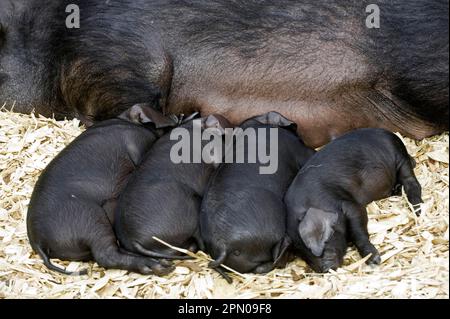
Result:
pixel 96 161
pixel 92 167
pixel 356 165
pixel 361 146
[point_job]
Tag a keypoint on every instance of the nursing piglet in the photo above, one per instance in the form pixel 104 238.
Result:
pixel 70 216
pixel 243 216
pixel 164 195
pixel 326 202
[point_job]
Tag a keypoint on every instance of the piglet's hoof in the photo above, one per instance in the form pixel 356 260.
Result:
pixel 375 259
pixel 161 270
pixel 165 262
pixel 156 267
pixel 417 209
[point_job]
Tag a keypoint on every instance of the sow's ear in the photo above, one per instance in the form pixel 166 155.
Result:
pixel 217 122
pixel 316 228
pixel 276 119
pixel 144 113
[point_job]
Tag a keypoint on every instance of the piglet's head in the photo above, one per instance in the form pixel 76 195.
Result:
pixel 144 114
pixel 216 122
pixel 271 118
pixel 322 239
pixel 215 126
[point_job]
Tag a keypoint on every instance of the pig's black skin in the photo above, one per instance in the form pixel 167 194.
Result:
pixel 163 200
pixel 315 59
pixel 71 208
pixel 341 179
pixel 242 220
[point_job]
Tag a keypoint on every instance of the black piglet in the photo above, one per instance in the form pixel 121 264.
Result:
pixel 243 216
pixel 163 197
pixel 70 215
pixel 326 202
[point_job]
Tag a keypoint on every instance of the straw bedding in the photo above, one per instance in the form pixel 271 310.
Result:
pixel 414 250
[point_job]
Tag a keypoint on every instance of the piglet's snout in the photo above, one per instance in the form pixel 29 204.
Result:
pixel 327 263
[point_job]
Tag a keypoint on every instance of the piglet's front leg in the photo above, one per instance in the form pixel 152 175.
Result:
pixel 357 220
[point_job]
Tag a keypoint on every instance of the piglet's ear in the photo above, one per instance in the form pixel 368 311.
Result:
pixel 316 228
pixel 276 119
pixel 216 121
pixel 144 113
pixel 193 116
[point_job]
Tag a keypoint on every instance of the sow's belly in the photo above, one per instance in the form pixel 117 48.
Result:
pixel 317 122
pixel 327 94
pixel 320 116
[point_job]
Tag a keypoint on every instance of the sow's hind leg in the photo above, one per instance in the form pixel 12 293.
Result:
pixel 100 237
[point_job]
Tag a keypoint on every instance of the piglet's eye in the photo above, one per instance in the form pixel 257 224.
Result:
pixel 2 34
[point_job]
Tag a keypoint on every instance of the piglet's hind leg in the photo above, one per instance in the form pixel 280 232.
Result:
pixel 411 185
pixel 357 222
pixel 106 252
